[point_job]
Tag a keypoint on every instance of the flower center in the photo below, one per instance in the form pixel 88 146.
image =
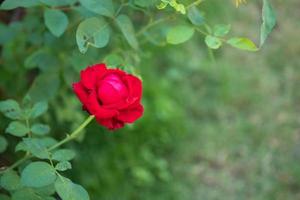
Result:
pixel 112 90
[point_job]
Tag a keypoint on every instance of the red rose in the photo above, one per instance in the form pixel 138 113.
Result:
pixel 111 95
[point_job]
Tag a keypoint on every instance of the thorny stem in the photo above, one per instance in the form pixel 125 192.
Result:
pixel 70 137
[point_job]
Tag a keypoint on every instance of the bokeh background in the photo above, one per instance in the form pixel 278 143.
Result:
pixel 228 129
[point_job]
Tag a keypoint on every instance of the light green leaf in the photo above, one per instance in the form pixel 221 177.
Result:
pixel 38 174
pixel 180 34
pixel 45 191
pixel 12 4
pixel 25 194
pixel 213 42
pixel 10 181
pixel 11 109
pixel 92 31
pixel 3 144
pixel 269 21
pixel 56 21
pixel 58 2
pixel 63 166
pixel 195 16
pixel 242 43
pixel 38 109
pixel 40 129
pixel 70 191
pixel 103 7
pixel 17 129
pixel 63 155
pixel 126 27
pixel 36 147
pixel 220 30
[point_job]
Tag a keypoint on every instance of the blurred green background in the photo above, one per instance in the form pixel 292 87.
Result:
pixel 228 129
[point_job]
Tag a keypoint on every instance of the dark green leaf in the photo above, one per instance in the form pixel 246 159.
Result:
pixel 44 87
pixel 63 166
pixel 12 4
pixel 93 31
pixel 11 109
pixel 42 59
pixel 180 34
pixel 17 129
pixel 213 42
pixel 68 190
pixel 195 16
pixel 38 109
pixel 56 21
pixel 4 197
pixel 269 21
pixel 242 43
pixel 63 155
pixel 10 180
pixel 127 29
pixel 3 144
pixel 36 147
pixel 38 174
pixel 103 7
pixel 40 129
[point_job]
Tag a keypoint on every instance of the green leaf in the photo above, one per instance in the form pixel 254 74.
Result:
pixel 126 27
pixel 58 2
pixel 10 181
pixel 63 166
pixel 92 31
pixel 70 191
pixel 42 59
pixel 180 34
pixel 195 16
pixel 242 43
pixel 11 109
pixel 40 129
pixel 38 174
pixel 213 42
pixel 36 147
pixel 3 144
pixel 38 109
pixel 17 129
pixel 269 21
pixel 63 155
pixel 45 191
pixel 12 4
pixel 220 30
pixel 103 7
pixel 25 194
pixel 44 87
pixel 56 21
pixel 4 197
pixel 114 60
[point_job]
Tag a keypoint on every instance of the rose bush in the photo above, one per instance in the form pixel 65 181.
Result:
pixel 111 95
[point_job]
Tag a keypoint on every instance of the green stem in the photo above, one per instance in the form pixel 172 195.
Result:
pixel 70 137
pixel 211 55
pixel 74 134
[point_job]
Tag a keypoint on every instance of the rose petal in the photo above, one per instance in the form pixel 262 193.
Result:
pixel 134 85
pixel 96 109
pixel 81 92
pixel 91 74
pixel 131 114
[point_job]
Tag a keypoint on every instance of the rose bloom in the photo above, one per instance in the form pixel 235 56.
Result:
pixel 111 95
